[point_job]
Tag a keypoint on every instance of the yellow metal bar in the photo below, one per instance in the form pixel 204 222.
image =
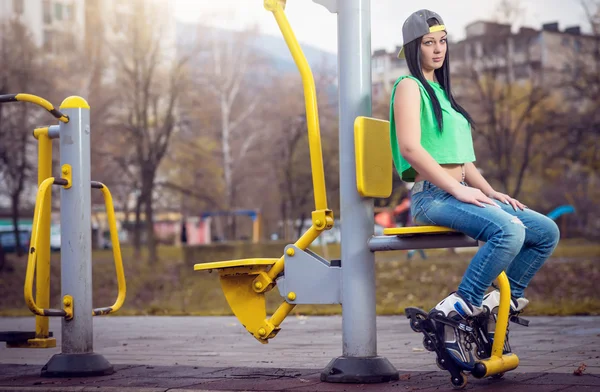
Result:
pixel 503 310
pixel 307 238
pixel 42 281
pixel 302 243
pixel 310 98
pixel 43 103
pixel 39 212
pixel 496 365
pixel 281 313
pixel 114 238
pixel 256 226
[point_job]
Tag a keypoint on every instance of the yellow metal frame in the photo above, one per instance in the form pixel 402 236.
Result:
pixel 43 103
pixel 498 362
pixel 40 211
pixel 405 231
pixel 244 282
pixel 42 288
pixel 114 238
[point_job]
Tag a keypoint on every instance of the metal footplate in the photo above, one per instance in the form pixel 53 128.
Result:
pixel 310 279
pixel 20 339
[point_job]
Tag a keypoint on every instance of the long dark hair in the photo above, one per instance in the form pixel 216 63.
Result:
pixel 412 52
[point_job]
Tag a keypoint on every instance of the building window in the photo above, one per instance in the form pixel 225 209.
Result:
pixel 70 12
pixel 48 39
pixel 19 6
pixel 58 11
pixel 47 10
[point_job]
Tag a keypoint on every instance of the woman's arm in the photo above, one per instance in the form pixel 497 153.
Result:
pixel 475 179
pixel 407 114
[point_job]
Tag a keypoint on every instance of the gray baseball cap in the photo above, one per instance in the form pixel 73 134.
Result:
pixel 416 26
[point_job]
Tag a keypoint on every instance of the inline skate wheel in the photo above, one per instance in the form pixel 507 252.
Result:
pixel 428 344
pixel 439 364
pixel 415 323
pixel 459 382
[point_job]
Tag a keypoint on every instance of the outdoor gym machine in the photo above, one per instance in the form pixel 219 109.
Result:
pixel 77 357
pixel 303 277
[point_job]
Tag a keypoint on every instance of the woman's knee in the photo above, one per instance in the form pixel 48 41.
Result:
pixel 511 235
pixel 551 233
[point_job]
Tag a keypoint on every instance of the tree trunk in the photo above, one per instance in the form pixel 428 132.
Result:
pixel 15 218
pixel 150 237
pixel 137 232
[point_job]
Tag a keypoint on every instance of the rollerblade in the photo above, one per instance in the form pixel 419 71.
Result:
pixel 487 321
pixel 450 330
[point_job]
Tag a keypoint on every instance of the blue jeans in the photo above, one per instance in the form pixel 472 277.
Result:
pixel 517 242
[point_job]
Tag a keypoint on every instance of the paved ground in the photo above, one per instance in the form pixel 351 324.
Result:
pixel 217 354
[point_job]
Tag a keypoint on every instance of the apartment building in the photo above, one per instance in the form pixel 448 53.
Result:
pixel 58 25
pixel 52 23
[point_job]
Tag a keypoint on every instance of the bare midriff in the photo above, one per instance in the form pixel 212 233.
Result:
pixel 457 171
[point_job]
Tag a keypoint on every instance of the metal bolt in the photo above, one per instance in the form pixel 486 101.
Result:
pixel 258 285
pixel 67 301
pixel 65 170
pixel 291 296
pixel 290 252
pixel 262 332
pixel 318 222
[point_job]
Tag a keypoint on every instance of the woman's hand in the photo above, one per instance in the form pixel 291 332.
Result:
pixel 475 196
pixel 507 200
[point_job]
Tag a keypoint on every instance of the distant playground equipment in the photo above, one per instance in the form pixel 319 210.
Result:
pixel 254 215
pixel 303 277
pixel 77 357
pixel 559 211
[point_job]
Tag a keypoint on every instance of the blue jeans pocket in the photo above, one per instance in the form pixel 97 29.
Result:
pixel 420 217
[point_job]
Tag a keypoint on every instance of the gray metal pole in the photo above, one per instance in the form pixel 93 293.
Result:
pixel 359 362
pixel 77 357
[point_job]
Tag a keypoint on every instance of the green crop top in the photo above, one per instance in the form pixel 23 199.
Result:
pixel 453 145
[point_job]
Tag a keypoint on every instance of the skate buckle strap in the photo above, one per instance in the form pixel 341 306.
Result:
pixel 519 320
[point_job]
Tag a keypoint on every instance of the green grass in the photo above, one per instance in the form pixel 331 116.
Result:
pixel 566 285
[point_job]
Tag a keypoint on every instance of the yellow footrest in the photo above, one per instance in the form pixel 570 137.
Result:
pixel 411 230
pixel 249 306
pixel 218 265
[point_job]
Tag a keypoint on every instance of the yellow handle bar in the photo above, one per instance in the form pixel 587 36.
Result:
pixel 310 98
pixel 36 100
pixel 114 238
pixel 32 258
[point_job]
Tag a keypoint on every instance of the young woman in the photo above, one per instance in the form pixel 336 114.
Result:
pixel 432 146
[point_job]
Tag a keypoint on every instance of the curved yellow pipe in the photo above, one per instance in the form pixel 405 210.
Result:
pixel 114 238
pixel 310 98
pixel 36 100
pixel 32 258
pixel 503 311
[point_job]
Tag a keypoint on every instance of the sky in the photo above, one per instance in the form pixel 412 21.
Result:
pixel 313 24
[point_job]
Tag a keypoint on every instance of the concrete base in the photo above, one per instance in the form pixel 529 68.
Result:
pixel 359 370
pixel 77 365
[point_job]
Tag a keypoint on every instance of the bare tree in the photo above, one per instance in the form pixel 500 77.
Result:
pixel 230 74
pixel 508 103
pixel 21 71
pixel 151 80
